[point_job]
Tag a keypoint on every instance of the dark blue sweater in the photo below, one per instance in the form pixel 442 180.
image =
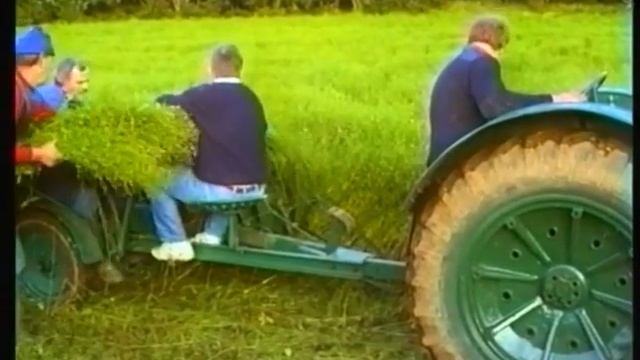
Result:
pixel 468 93
pixel 231 120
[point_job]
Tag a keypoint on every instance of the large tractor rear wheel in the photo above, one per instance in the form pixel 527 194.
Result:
pixel 53 274
pixel 526 252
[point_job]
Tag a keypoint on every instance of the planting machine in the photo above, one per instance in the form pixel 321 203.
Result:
pixel 522 236
pixel 520 247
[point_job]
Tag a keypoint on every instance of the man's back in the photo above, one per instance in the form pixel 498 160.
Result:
pixel 468 93
pixel 452 110
pixel 230 117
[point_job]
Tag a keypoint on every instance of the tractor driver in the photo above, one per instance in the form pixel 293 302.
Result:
pixel 469 91
pixel 230 163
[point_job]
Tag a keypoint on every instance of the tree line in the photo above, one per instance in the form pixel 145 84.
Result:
pixel 38 11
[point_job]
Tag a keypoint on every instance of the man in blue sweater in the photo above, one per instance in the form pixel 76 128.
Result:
pixel 230 163
pixel 61 182
pixel 70 82
pixel 469 91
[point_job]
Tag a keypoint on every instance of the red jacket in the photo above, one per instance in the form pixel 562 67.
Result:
pixel 26 111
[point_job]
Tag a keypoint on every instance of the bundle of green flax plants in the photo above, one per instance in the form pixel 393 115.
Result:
pixel 122 149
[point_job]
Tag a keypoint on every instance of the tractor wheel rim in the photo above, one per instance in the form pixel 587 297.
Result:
pixel 549 277
pixel 49 266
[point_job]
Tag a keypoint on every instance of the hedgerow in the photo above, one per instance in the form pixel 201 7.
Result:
pixel 30 11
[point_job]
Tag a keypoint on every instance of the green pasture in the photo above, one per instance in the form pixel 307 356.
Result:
pixel 345 96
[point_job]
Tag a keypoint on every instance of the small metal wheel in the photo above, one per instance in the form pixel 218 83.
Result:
pixel 19 266
pixel 18 313
pixel 528 255
pixel 52 274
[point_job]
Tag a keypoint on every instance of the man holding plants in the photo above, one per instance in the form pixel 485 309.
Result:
pixel 469 91
pixel 230 164
pixel 34 51
pixel 61 182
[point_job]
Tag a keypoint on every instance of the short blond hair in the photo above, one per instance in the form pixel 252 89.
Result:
pixel 491 30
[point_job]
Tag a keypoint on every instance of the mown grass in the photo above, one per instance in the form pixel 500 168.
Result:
pixel 198 311
pixel 345 95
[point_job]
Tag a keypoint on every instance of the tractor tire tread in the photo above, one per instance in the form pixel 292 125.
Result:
pixel 546 157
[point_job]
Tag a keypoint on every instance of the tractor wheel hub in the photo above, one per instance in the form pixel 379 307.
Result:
pixel 564 287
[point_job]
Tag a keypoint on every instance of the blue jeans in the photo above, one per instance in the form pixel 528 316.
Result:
pixel 186 188
pixel 61 183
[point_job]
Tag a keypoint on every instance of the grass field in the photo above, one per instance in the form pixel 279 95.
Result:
pixel 345 95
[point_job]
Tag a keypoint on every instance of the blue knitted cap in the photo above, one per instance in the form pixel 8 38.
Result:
pixel 34 41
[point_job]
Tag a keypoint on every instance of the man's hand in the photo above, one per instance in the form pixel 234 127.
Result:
pixel 569 97
pixel 47 154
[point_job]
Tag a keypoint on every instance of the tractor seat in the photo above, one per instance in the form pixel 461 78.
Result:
pixel 224 206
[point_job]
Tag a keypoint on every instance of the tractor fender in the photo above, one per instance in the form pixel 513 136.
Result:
pixel 622 98
pixel 617 91
pixel 601 118
pixel 83 240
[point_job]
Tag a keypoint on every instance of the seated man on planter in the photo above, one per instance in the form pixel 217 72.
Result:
pixel 61 182
pixel 230 163
pixel 71 81
pixel 469 91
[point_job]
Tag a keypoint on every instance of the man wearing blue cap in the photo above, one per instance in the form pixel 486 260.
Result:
pixel 34 51
pixel 33 54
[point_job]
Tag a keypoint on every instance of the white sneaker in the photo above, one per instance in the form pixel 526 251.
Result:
pixel 206 239
pixel 173 251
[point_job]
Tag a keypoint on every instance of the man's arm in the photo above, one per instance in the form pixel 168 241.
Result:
pixel 188 101
pixel 261 116
pixel 37 112
pixel 23 155
pixel 490 94
pixel 40 112
pixel 46 154
pixel 170 99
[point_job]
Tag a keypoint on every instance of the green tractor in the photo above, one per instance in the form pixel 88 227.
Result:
pixel 520 246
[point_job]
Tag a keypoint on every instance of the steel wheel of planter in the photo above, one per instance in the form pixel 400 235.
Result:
pixel 526 253
pixel 52 273
pixel 18 310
